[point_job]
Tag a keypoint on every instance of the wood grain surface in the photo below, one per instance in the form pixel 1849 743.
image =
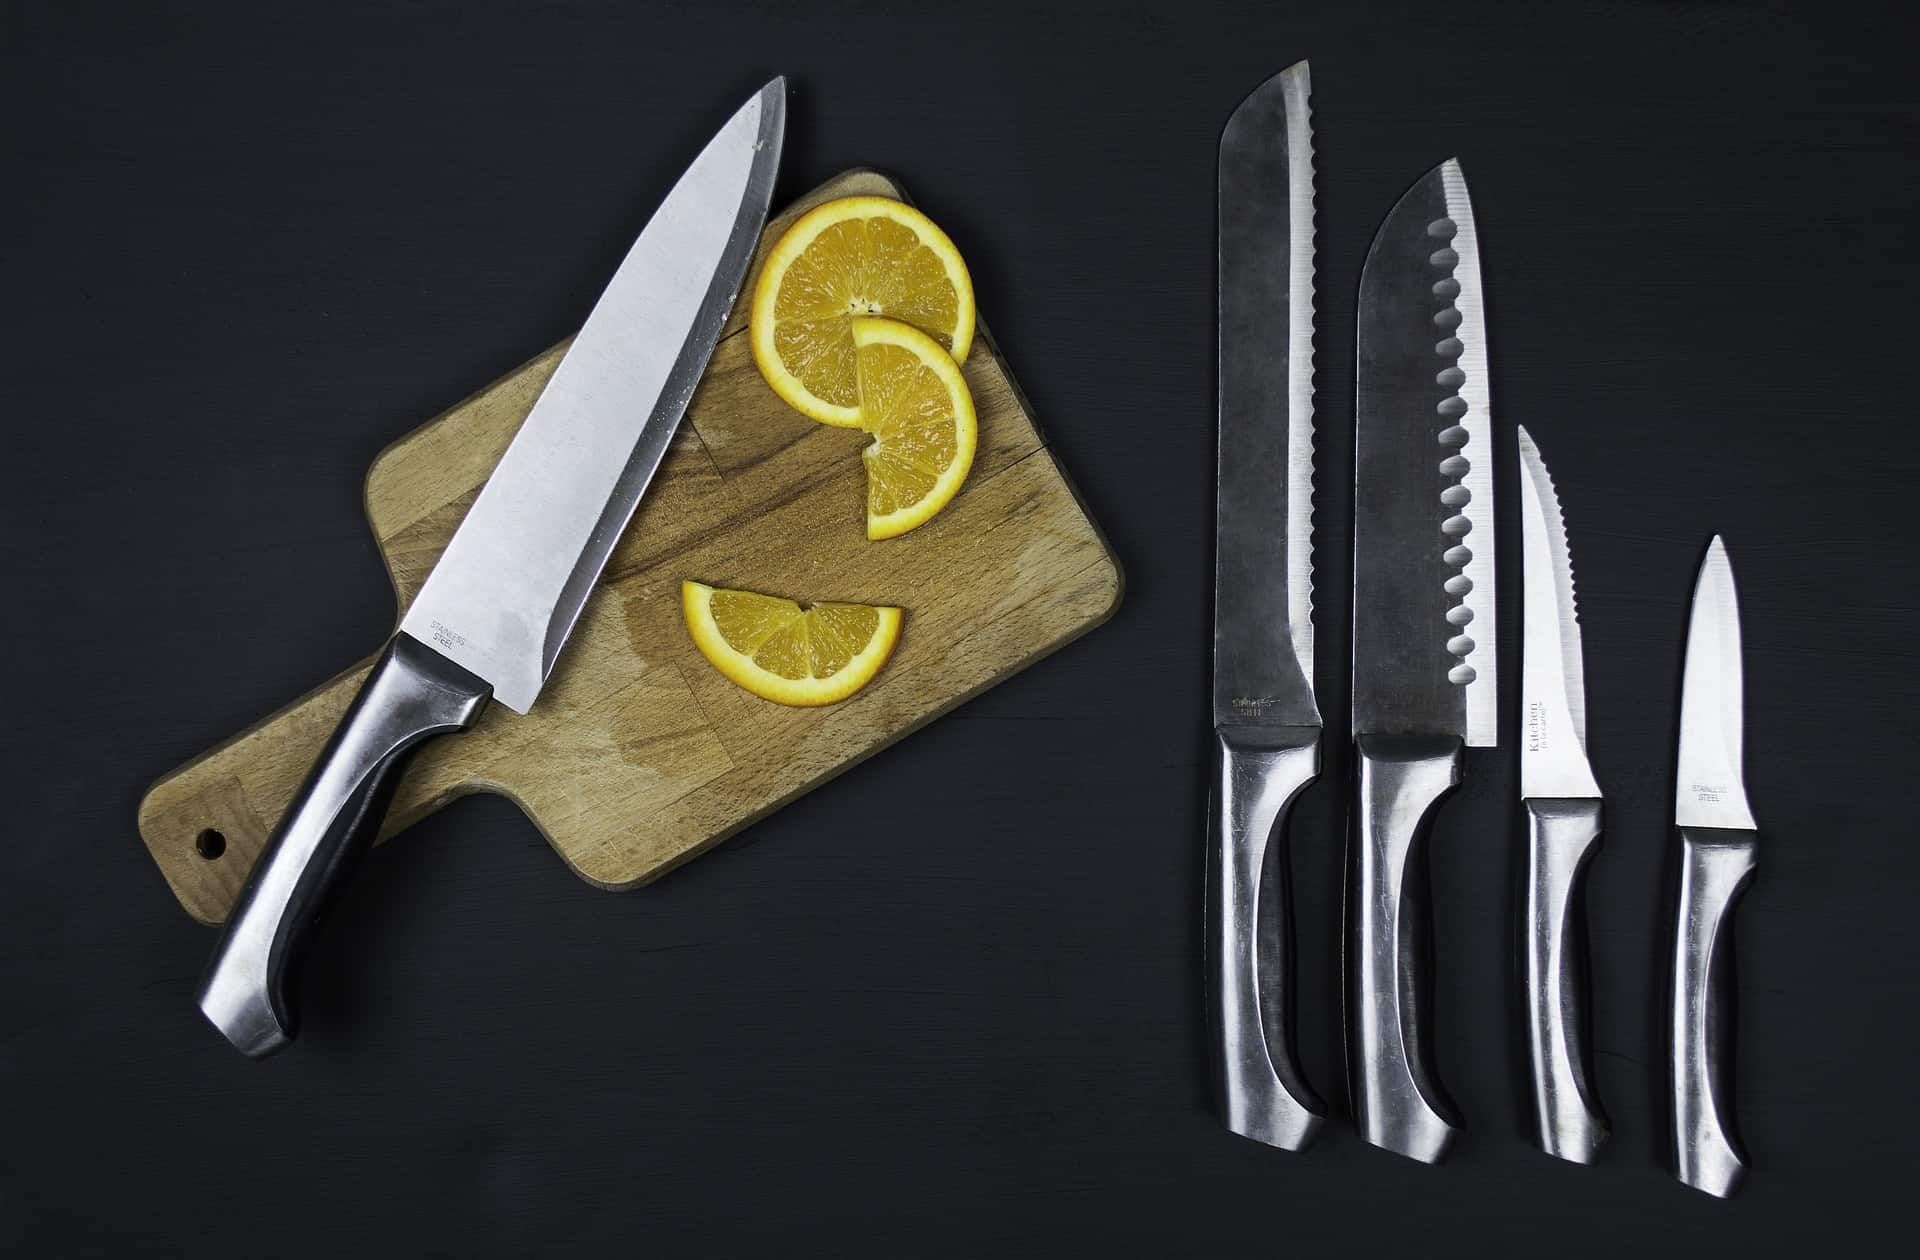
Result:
pixel 639 755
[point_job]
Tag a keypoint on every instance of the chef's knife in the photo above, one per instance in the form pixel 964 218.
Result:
pixel 1563 824
pixel 1718 839
pixel 1265 723
pixel 497 608
pixel 1423 631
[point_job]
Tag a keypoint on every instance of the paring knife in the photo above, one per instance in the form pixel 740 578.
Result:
pixel 1265 722
pixel 497 608
pixel 1718 839
pixel 1563 824
pixel 1424 675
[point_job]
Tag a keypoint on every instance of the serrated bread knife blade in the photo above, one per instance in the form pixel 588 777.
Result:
pixel 498 606
pixel 1265 722
pixel 1562 801
pixel 1718 840
pixel 1424 675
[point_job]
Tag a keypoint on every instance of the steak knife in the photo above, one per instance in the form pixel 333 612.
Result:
pixel 497 608
pixel 1266 725
pixel 1424 675
pixel 1718 839
pixel 1563 824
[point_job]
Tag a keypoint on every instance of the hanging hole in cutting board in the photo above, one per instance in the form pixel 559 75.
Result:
pixel 210 844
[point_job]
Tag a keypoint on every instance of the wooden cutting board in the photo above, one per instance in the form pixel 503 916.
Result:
pixel 638 754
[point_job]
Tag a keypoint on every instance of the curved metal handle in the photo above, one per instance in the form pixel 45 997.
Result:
pixel 412 694
pixel 1397 1101
pixel 1562 836
pixel 1715 870
pixel 1249 942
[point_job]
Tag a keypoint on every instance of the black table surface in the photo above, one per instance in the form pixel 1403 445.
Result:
pixel 949 1004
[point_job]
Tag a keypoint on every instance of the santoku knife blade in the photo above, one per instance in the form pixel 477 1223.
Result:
pixel 1423 631
pixel 1718 839
pixel 1266 725
pixel 1563 824
pixel 497 608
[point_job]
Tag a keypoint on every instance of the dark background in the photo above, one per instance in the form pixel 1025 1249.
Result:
pixel 948 1005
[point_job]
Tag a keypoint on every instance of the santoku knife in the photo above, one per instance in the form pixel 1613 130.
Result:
pixel 1424 675
pixel 497 608
pixel 1265 722
pixel 1718 839
pixel 1563 824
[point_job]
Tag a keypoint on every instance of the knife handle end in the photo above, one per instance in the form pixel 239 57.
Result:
pixel 412 694
pixel 1716 869
pixel 1249 941
pixel 1397 1100
pixel 1561 838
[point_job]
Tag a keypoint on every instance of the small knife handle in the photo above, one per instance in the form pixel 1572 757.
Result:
pixel 1397 1100
pixel 412 694
pixel 1561 838
pixel 1716 867
pixel 1249 941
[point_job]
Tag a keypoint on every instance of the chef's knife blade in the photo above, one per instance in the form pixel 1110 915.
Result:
pixel 1424 678
pixel 498 606
pixel 1563 824
pixel 1266 724
pixel 1719 839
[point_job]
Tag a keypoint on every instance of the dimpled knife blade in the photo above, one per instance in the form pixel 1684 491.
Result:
pixel 1424 677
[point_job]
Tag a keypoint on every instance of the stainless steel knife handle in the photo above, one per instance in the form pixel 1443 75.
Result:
pixel 1397 1100
pixel 1249 941
pixel 1715 869
pixel 412 694
pixel 1561 838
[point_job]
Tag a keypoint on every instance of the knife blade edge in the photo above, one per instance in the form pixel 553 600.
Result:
pixel 1482 698
pixel 1553 735
pixel 513 579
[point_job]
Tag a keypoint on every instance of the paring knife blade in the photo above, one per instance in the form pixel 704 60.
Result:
pixel 1424 676
pixel 497 608
pixel 1719 842
pixel 1563 824
pixel 1266 725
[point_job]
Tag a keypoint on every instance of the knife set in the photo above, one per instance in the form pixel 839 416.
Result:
pixel 1425 684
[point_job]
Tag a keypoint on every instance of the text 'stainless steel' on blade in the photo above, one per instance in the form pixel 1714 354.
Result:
pixel 1266 725
pixel 1423 631
pixel 498 606
pixel 1718 840
pixel 1563 825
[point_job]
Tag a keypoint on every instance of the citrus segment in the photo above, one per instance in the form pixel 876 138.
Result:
pixel 916 405
pixel 856 256
pixel 780 651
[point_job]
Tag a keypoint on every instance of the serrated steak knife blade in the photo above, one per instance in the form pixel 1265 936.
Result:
pixel 1266 724
pixel 498 606
pixel 1423 592
pixel 1424 682
pixel 1563 824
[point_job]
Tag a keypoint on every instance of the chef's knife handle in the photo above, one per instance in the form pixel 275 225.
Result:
pixel 1561 838
pixel 412 694
pixel 1397 1100
pixel 1716 867
pixel 1249 942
